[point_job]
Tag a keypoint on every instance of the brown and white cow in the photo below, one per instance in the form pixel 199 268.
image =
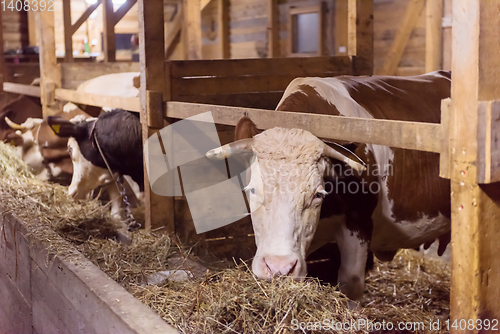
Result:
pixel 305 193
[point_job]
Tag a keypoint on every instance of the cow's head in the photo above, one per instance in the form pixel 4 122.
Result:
pixel 24 138
pixel 86 175
pixel 285 192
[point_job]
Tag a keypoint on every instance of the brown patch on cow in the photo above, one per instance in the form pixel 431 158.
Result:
pixel 18 112
pixel 137 81
pixel 307 100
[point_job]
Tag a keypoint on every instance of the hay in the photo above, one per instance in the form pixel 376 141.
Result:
pixel 47 207
pixel 11 165
pixel 228 301
pixel 410 288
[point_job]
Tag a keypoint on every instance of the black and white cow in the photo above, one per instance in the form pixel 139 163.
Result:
pixel 119 135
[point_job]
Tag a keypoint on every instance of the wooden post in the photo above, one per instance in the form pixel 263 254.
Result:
pixel 68 35
pixel 433 35
pixel 475 208
pixel 360 35
pixel 192 28
pixel 2 65
pixel 108 31
pixel 273 29
pixel 223 23
pixel 155 88
pixel 408 23
pixel 50 71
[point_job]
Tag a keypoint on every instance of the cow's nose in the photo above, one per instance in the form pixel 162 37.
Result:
pixel 279 265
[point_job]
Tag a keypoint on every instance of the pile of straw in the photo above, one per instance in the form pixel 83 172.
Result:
pixel 410 288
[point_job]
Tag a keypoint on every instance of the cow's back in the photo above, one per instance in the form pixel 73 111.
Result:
pixel 411 192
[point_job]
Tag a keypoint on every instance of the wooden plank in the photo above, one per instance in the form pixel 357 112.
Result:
pixel 15 260
pixel 433 35
pixel 475 209
pixel 360 34
pixel 14 310
pixel 488 142
pixel 123 10
pixel 408 23
pixel 2 65
pixel 233 85
pixel 409 135
pixel 32 33
pixel 108 31
pixel 273 29
pixel 172 34
pixel 89 295
pixel 50 72
pixel 192 28
pixel 267 100
pixel 85 16
pixel 155 76
pixel 203 4
pixel 68 35
pixel 76 73
pixel 127 103
pixel 223 26
pixel 446 124
pixel 242 67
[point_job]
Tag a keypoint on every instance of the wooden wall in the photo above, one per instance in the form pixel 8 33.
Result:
pixel 44 294
pixel 92 28
pixel 15 29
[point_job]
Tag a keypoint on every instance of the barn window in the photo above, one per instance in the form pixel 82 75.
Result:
pixel 306 30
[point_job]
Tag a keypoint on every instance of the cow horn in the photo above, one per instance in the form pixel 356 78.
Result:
pixel 13 125
pixel 337 154
pixel 227 150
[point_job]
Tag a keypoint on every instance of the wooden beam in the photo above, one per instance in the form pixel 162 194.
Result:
pixel 408 23
pixel 50 71
pixel 123 10
pixel 127 103
pixel 223 26
pixel 175 29
pixel 360 34
pixel 433 35
pixel 68 40
pixel 204 3
pixel 84 16
pixel 273 29
pixel 108 31
pixel 155 84
pixel 2 65
pixel 409 135
pixel 192 28
pixel 475 208
pixel 32 32
pixel 21 89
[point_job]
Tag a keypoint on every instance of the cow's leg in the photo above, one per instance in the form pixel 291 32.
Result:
pixel 116 200
pixel 353 252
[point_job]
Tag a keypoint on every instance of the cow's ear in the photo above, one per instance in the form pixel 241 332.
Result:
pixel 137 81
pixel 245 128
pixel 64 128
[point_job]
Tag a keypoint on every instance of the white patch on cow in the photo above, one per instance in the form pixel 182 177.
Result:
pixel 409 234
pixel 135 188
pixel 86 176
pixel 78 119
pixel 69 107
pixel 384 158
pixel 54 170
pixel 115 84
pixel 333 91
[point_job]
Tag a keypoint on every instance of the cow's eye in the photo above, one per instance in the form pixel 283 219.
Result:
pixel 70 151
pixel 319 195
pixel 252 190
